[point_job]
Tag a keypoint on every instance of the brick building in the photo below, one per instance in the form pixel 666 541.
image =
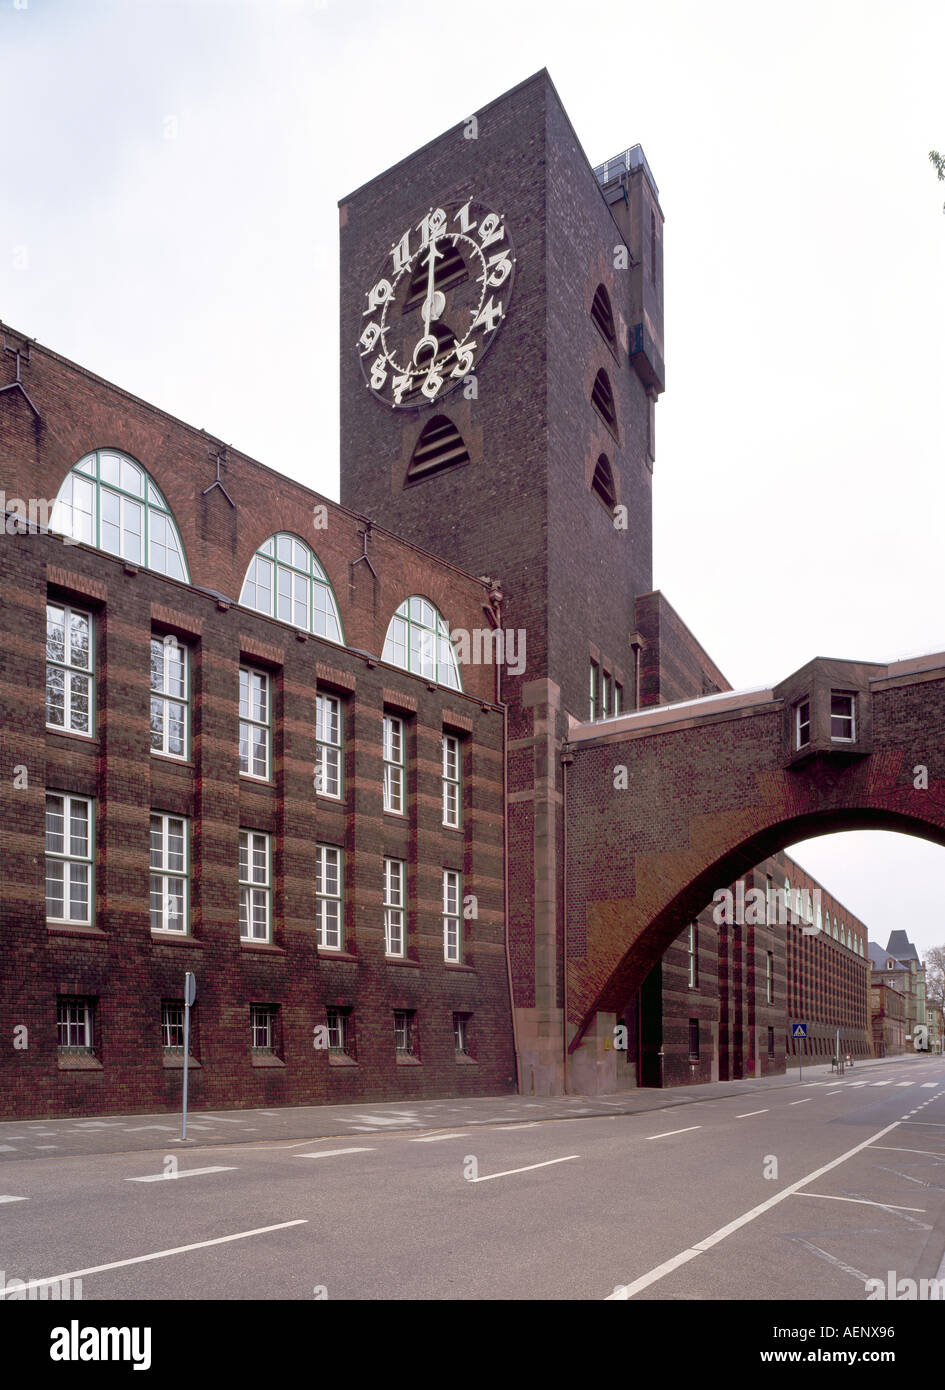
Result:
pixel 318 754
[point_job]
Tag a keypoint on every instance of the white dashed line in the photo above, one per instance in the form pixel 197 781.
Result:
pixel 14 1199
pixel 334 1153
pixel 749 1113
pixel 182 1173
pixel 510 1171
pixel 666 1134
pixel 801 1102
pixel 430 1139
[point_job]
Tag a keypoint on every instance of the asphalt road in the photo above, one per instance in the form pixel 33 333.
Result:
pixel 794 1192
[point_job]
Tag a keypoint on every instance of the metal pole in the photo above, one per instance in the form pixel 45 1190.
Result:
pixel 183 1118
pixel 839 1058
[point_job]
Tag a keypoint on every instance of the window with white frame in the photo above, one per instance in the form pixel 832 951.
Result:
pixel 802 723
pixel 328 746
pixel 461 1033
pixel 109 501
pixel 254 723
pixel 172 1027
pixel 170 697
pixel 328 897
pixel 393 764
pixel 169 873
pixel 452 789
pixel 594 690
pixel 340 1031
pixel 75 1026
pixel 69 669
pixel 68 858
pixel 452 897
pixel 692 951
pixel 418 640
pixel 404 1031
pixel 842 716
pixel 263 1027
pixel 255 885
pixel 286 581
pixel 394 874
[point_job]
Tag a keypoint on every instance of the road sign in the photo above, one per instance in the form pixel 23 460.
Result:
pixel 798 1030
pixel 190 988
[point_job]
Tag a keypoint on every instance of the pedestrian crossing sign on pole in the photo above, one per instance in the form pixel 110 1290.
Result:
pixel 798 1030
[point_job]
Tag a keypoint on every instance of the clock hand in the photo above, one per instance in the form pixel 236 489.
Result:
pixel 431 272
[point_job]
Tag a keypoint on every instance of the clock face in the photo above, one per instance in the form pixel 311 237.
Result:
pixel 442 294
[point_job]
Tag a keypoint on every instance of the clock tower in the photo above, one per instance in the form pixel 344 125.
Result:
pixel 501 357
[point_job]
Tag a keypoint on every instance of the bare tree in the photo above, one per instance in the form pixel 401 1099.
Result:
pixel 934 963
pixel 939 161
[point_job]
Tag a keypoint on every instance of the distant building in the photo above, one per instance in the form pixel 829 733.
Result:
pixel 897 995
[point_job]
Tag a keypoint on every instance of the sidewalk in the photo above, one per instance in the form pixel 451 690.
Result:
pixel 58 1138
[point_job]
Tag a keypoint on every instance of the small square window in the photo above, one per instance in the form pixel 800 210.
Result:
pixel 75 1026
pixel 263 1027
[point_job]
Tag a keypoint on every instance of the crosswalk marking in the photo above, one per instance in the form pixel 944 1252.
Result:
pixel 181 1173
pixel 333 1153
pixel 14 1199
pixel 435 1138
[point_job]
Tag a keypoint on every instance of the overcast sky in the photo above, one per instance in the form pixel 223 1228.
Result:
pixel 171 173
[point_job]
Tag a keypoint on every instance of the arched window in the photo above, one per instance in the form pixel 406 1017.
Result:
pixel 109 501
pixel 603 316
pixel 603 483
pixel 439 446
pixel 418 639
pixel 602 399
pixel 286 581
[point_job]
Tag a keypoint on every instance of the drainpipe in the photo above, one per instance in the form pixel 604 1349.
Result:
pixel 567 758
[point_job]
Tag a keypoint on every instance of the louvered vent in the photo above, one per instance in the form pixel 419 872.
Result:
pixel 440 446
pixel 602 398
pixel 603 483
pixel 603 315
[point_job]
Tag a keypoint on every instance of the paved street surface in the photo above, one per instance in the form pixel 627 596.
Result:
pixel 750 1190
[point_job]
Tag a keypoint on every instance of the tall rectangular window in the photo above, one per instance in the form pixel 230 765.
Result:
pixel 618 697
pixel 769 977
pixel 328 746
pixel 842 717
pixel 452 786
pixel 461 1033
pixel 340 1031
pixel 802 723
pixel 75 1030
pixel 595 690
pixel 393 764
pixel 172 1027
pixel 254 886
pixel 605 693
pixel 394 873
pixel 405 1040
pixel 169 872
pixel 254 724
pixel 68 859
pixel 770 1042
pixel 328 896
pixel 69 669
pixel 452 897
pixel 170 697
pixel 262 1023
pixel 692 948
pixel 693 1040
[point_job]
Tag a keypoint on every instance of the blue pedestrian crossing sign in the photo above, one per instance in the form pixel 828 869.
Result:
pixel 798 1030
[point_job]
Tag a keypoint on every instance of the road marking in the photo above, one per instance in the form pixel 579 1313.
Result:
pixel 749 1113
pixel 831 1259
pixel 860 1201
pixel 627 1291
pixel 532 1124
pixel 928 1085
pixel 431 1139
pixel 14 1199
pixel 883 1083
pixel 836 1092
pixel 47 1146
pixel 905 1083
pixel 926 1124
pixel 863 1083
pixel 333 1153
pixel 894 1148
pixel 7 1148
pixel 666 1134
pixel 183 1173
pixel 98 1124
pixel 509 1171
pixel 801 1102
pixel 158 1255
pixel 168 1129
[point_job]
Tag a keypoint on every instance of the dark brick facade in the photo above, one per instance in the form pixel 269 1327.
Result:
pixel 118 962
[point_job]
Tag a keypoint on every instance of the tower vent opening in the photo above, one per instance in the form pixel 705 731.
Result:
pixel 439 446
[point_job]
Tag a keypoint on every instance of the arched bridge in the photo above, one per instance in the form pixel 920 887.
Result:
pixel 670 803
